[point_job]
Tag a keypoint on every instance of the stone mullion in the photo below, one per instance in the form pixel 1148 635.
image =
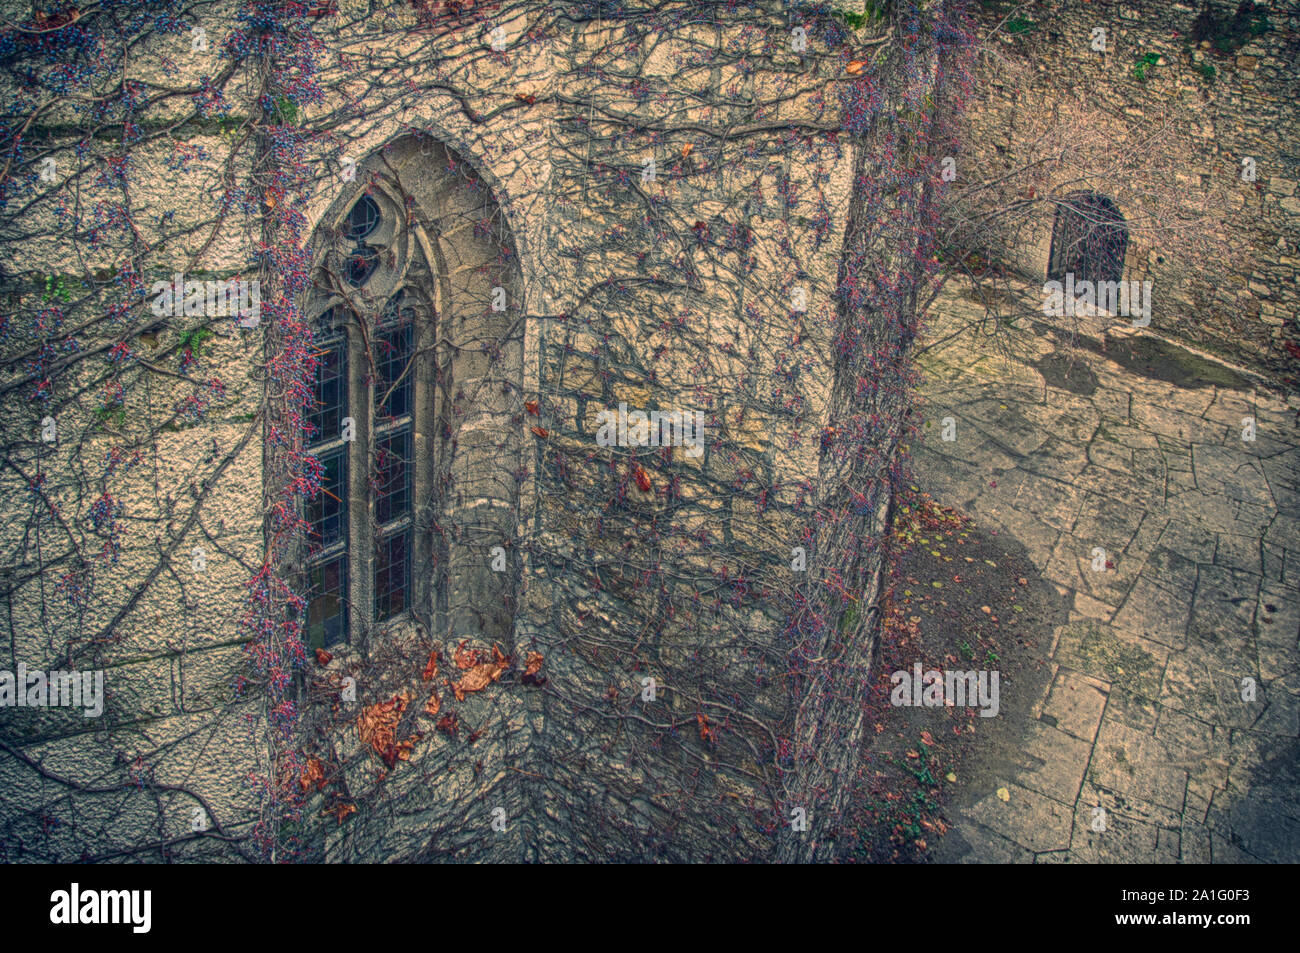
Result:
pixel 361 521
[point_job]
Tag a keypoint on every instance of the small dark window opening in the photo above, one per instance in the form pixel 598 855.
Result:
pixel 361 264
pixel 363 219
pixel 1089 239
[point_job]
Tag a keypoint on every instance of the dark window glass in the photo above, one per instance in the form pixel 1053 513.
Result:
pixel 327 513
pixel 393 475
pixel 331 393
pixel 392 574
pixel 393 390
pixel 327 617
pixel 361 264
pixel 363 218
pixel 1089 239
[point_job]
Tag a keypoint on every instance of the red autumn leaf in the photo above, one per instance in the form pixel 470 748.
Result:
pixel 532 671
pixel 313 773
pixel 434 705
pixel 401 751
pixel 539 432
pixel 431 668
pixel 533 407
pixel 340 811
pixel 475 680
pixel 449 724
pixel 481 675
pixel 706 733
pixel 323 657
pixel 377 727
pixel 642 478
pixel 527 98
pixel 404 748
pixel 466 659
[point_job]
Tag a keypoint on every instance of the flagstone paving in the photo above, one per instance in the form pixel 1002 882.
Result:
pixel 1168 731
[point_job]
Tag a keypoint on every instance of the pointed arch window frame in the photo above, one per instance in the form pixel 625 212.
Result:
pixel 365 545
pixel 421 249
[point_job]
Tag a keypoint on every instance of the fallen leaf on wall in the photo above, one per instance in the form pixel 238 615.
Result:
pixel 706 733
pixel 481 675
pixel 340 811
pixel 377 727
pixel 466 658
pixel 313 773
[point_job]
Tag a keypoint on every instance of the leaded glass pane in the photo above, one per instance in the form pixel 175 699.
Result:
pixel 392 575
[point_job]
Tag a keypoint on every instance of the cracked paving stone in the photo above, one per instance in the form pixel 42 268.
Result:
pixel 1155 612
pixel 1075 704
pixel 1135 764
pixel 1052 762
pixel 1029 819
pixel 1125 661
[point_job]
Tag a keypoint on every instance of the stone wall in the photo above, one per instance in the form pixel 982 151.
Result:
pixel 1161 123
pixel 695 289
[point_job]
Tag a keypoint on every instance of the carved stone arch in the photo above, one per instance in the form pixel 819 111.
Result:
pixel 422 311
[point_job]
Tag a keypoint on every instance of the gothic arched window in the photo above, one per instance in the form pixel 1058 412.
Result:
pixel 409 352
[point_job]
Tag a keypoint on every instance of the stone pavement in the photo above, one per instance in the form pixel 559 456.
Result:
pixel 1176 543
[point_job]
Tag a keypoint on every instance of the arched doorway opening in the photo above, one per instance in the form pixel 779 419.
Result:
pixel 1089 239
